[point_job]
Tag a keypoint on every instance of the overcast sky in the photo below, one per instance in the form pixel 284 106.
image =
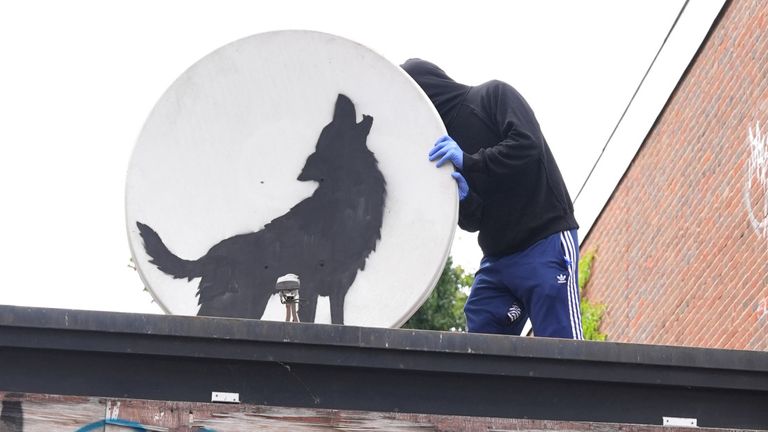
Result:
pixel 78 80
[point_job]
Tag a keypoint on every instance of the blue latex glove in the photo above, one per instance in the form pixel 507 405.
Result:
pixel 461 182
pixel 446 150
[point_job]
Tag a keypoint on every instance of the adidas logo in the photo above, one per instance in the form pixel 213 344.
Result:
pixel 561 278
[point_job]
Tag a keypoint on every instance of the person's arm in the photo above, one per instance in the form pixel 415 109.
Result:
pixel 470 205
pixel 470 212
pixel 522 139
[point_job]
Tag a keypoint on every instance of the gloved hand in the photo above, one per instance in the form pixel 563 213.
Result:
pixel 446 149
pixel 461 182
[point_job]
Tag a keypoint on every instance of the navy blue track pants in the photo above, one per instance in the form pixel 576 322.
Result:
pixel 542 280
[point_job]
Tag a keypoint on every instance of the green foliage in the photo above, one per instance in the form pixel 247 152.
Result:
pixel 591 313
pixel 444 309
pixel 591 317
pixel 585 268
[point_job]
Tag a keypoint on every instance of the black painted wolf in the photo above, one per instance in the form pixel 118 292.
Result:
pixel 324 239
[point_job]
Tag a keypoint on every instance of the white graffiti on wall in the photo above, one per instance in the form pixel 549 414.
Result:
pixel 756 187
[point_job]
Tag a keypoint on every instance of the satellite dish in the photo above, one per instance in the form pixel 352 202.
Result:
pixel 291 152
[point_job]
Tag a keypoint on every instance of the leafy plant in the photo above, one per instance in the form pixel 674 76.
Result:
pixel 444 309
pixel 591 313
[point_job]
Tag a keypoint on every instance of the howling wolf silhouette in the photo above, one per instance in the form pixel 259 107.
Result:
pixel 325 239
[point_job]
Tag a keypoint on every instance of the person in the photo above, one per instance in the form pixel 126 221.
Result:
pixel 512 192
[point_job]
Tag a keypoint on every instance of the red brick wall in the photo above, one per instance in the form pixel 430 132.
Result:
pixel 679 260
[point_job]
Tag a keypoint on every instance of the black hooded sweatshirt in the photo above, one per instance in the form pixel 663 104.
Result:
pixel 516 193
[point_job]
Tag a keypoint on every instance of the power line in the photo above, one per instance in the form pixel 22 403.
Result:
pixel 679 14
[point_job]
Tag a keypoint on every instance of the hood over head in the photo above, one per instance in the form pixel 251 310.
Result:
pixel 445 93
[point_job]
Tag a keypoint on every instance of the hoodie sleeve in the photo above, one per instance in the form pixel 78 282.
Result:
pixel 521 143
pixel 470 212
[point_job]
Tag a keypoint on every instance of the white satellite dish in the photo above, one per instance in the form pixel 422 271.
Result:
pixel 291 152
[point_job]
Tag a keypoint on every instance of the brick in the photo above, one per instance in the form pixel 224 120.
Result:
pixel 678 260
